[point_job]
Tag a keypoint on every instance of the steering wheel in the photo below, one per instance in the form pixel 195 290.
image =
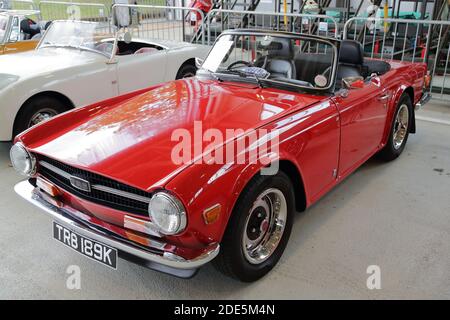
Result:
pixel 236 63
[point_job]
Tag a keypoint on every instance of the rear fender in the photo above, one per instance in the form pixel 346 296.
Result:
pixel 391 111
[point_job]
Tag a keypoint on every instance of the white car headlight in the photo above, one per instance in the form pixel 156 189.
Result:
pixel 22 161
pixel 167 213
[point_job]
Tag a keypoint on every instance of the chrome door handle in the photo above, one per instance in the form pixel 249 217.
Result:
pixel 384 97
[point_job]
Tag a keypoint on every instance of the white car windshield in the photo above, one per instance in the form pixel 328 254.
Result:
pixel 3 26
pixel 273 59
pixel 89 36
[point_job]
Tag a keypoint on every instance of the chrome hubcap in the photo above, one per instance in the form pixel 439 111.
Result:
pixel 264 226
pixel 401 126
pixel 42 115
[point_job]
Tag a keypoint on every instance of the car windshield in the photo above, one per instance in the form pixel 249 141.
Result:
pixel 273 59
pixel 80 35
pixel 3 26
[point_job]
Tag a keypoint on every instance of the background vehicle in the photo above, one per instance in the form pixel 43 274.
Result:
pixel 78 63
pixel 329 109
pixel 19 31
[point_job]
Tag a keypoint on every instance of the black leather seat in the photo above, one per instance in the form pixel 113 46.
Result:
pixel 279 60
pixel 351 61
pixel 377 66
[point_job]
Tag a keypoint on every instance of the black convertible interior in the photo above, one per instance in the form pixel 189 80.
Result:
pixel 134 47
pixel 127 48
pixel 285 60
pixel 353 64
pixel 278 59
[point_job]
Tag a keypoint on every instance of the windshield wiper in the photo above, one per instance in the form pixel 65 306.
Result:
pixel 244 75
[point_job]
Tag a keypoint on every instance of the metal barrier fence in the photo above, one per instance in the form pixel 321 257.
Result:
pixel 391 39
pixel 158 22
pixel 59 10
pixel 407 40
pixel 218 20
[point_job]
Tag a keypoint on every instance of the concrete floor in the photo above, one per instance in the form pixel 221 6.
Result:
pixel 395 215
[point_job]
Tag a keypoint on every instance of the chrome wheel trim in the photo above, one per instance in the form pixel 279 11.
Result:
pixel 401 126
pixel 42 115
pixel 264 226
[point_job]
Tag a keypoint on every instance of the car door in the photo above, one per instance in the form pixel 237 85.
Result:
pixel 142 70
pixel 20 46
pixel 313 139
pixel 363 113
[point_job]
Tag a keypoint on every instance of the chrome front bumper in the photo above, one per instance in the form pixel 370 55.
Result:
pixel 168 263
pixel 423 100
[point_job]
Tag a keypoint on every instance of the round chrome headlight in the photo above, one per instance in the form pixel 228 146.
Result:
pixel 167 213
pixel 22 161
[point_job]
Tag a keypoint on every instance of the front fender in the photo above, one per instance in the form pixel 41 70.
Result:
pixel 10 103
pixel 214 184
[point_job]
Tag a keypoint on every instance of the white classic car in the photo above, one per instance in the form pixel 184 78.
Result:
pixel 79 63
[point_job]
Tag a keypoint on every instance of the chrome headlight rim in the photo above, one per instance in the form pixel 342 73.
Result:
pixel 33 163
pixel 177 204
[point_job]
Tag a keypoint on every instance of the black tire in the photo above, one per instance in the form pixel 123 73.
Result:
pixel 48 105
pixel 232 260
pixel 391 151
pixel 186 71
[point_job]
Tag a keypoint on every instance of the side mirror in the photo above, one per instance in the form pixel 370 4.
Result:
pixel 353 83
pixel 198 62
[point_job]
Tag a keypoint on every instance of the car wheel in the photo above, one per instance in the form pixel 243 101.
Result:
pixel 36 111
pixel 259 228
pixel 186 71
pixel 400 128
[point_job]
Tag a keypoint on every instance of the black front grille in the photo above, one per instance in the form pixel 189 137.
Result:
pixel 107 199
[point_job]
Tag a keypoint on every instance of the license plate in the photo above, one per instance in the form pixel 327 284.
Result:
pixel 90 248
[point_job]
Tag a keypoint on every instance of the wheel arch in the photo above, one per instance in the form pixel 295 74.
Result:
pixel 53 94
pixel 292 171
pixel 190 61
pixel 410 92
pixel 398 93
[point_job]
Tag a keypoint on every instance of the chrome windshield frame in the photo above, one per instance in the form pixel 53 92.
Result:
pixel 333 43
pixel 42 40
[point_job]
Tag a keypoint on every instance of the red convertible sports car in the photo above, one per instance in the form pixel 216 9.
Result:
pixel 168 177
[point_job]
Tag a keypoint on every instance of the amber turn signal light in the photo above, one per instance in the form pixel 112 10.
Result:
pixel 212 214
pixel 47 187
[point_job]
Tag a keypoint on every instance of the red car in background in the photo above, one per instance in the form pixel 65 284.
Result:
pixel 168 177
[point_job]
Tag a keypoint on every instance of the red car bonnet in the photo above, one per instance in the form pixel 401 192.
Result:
pixel 132 142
